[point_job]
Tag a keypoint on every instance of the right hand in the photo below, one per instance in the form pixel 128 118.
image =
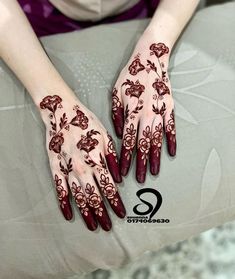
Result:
pixel 82 156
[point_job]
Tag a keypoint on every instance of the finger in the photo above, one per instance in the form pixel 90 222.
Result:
pixel 156 144
pixel 111 158
pixel 63 196
pixel 169 128
pixel 95 202
pixel 109 190
pixel 117 112
pixel 143 147
pixel 82 204
pixel 128 144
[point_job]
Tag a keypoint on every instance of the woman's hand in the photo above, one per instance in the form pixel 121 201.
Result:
pixel 143 107
pixel 82 157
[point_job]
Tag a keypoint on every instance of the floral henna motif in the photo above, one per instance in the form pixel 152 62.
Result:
pixel 93 199
pixel 144 144
pixel 135 89
pixel 136 66
pixel 108 189
pixel 87 143
pixel 111 148
pixel 161 88
pixel 63 198
pixel 80 198
pixel 116 104
pixel 170 127
pixel 56 143
pixel 158 49
pixel 129 141
pixel 80 120
pixel 50 103
pixel 156 141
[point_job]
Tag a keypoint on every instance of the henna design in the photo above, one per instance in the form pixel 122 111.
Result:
pixel 156 140
pixel 136 66
pixel 129 141
pixel 50 103
pixel 170 127
pixel 80 120
pixel 111 148
pixel 159 49
pixel 87 143
pixel 116 104
pixel 135 89
pixel 80 198
pixel 161 88
pixel 93 199
pixel 161 111
pixel 144 144
pixel 63 198
pixel 108 189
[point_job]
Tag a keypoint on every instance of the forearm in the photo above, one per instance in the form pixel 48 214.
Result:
pixel 23 53
pixel 170 19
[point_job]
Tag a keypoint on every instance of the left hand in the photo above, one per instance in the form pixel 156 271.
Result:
pixel 142 101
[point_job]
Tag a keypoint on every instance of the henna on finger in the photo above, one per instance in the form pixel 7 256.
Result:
pixel 83 206
pixel 111 158
pixel 170 131
pixel 109 190
pixel 143 148
pixel 155 149
pixel 97 205
pixel 117 113
pixel 63 196
pixel 128 144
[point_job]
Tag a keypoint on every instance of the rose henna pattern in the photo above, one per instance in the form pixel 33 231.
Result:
pixel 136 66
pixel 159 49
pixel 146 92
pixel 143 148
pixel 88 200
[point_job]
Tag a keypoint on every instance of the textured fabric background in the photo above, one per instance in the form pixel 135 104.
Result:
pixel 197 185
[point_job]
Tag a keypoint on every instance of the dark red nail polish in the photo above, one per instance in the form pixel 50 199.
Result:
pixel 124 171
pixel 140 177
pixel 119 132
pixel 67 212
pixel 92 225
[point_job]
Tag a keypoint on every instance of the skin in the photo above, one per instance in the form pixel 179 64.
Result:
pixel 88 174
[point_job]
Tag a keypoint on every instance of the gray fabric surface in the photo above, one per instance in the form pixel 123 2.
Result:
pixel 197 185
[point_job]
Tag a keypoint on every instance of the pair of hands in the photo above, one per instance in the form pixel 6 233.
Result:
pixel 82 153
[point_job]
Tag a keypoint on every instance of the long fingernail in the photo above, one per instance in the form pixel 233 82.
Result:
pixel 67 210
pixel 107 225
pixel 124 171
pixel 92 226
pixel 119 132
pixel 154 169
pixel 140 177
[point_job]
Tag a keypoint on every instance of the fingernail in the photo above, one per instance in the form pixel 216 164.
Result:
pixel 140 177
pixel 121 212
pixel 92 226
pixel 119 132
pixel 172 149
pixel 68 213
pixel 106 225
pixel 124 171
pixel 67 210
pixel 154 169
pixel 118 177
